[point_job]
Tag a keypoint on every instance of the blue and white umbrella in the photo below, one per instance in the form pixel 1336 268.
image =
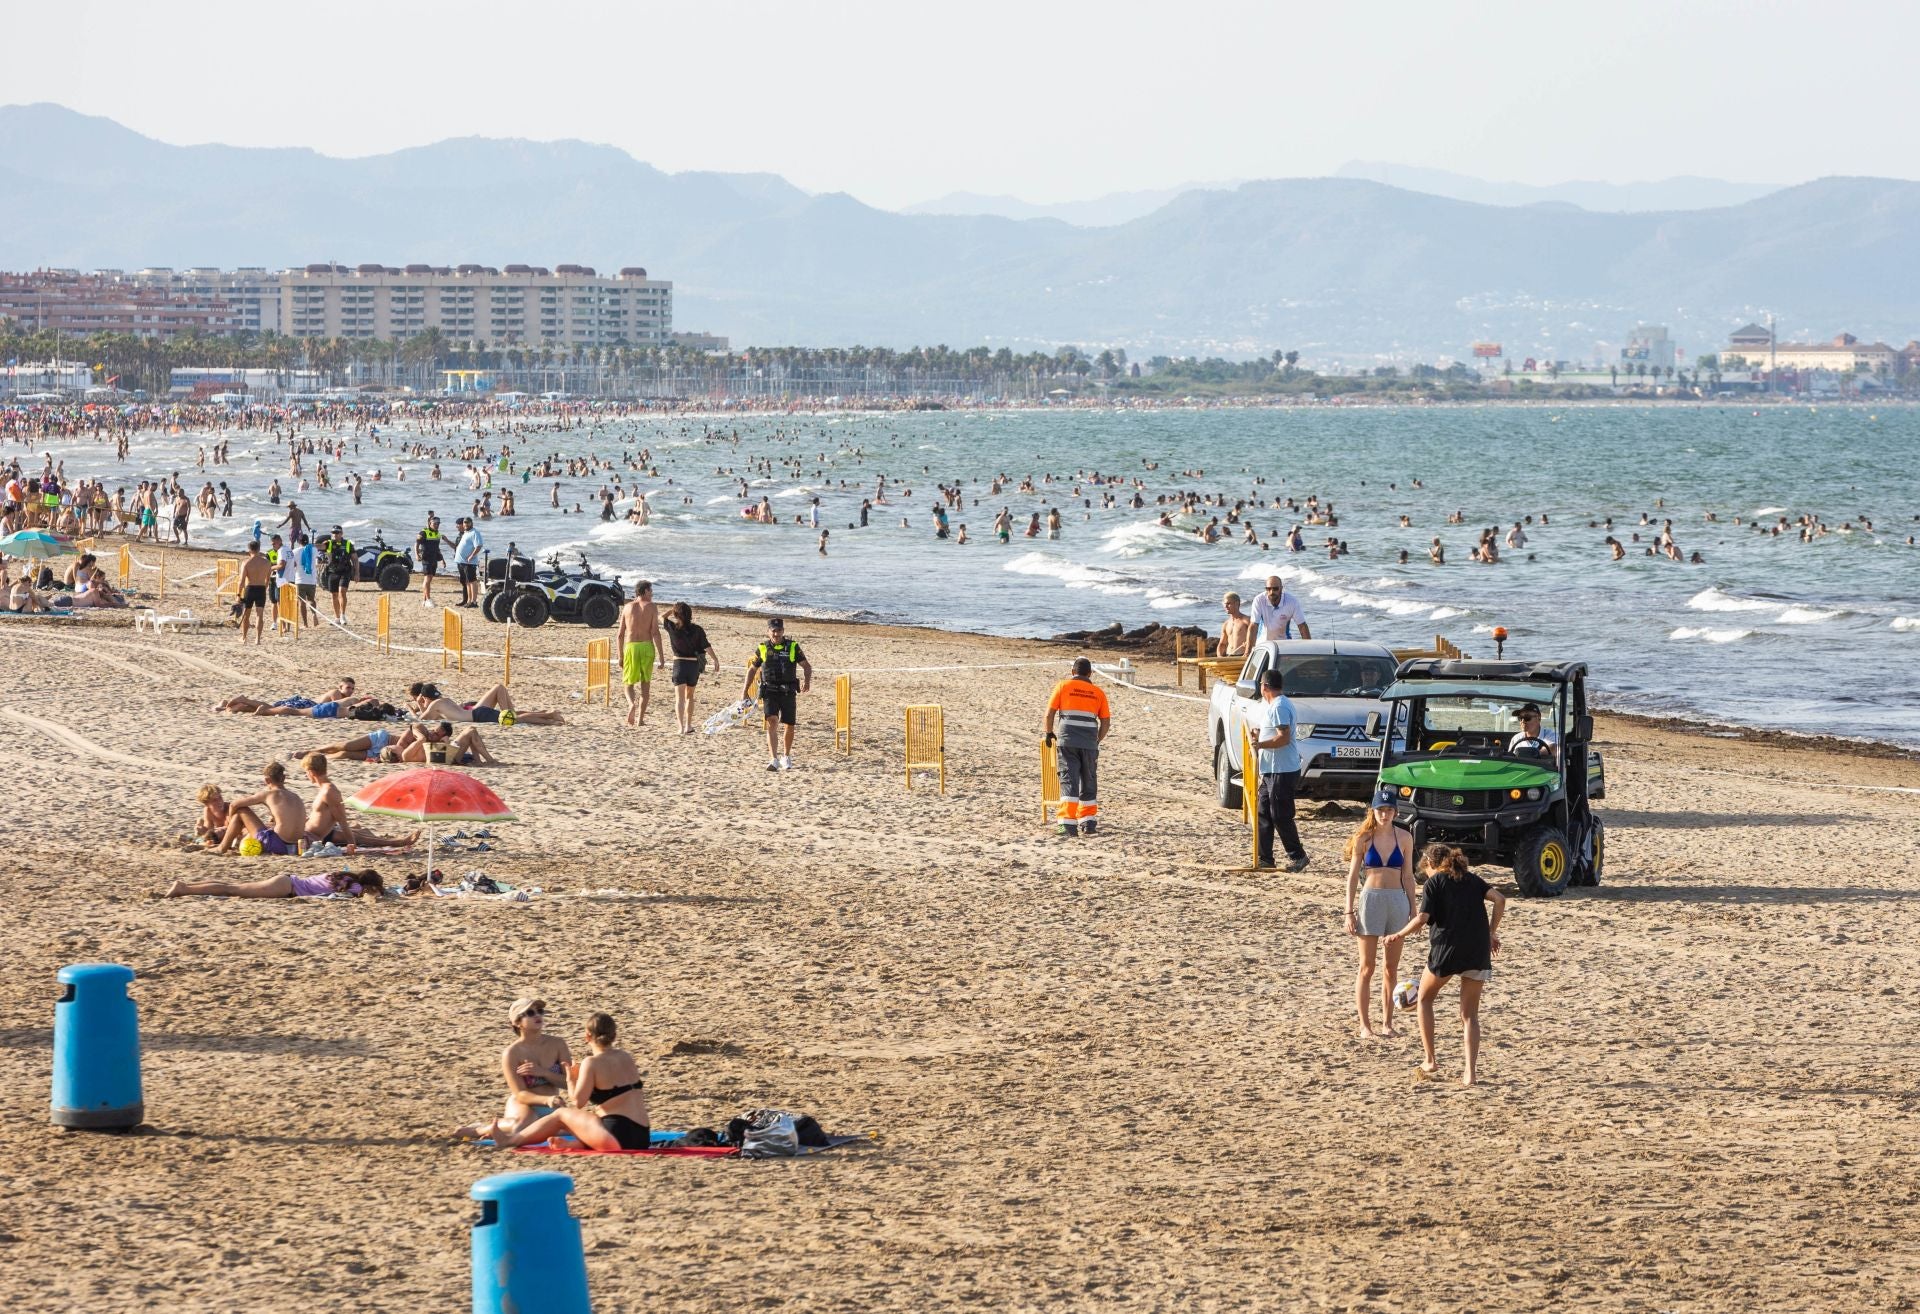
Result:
pixel 35 544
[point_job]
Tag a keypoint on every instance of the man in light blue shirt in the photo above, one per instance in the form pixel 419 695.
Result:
pixel 1273 730
pixel 466 557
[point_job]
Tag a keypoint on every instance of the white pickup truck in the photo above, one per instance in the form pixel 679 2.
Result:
pixel 1334 685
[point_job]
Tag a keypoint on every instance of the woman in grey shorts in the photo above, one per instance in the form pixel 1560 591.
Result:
pixel 1380 897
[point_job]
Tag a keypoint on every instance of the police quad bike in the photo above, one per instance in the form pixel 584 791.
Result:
pixel 390 568
pixel 531 598
pixel 1465 776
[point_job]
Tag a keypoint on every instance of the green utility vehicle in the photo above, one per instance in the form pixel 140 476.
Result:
pixel 1469 775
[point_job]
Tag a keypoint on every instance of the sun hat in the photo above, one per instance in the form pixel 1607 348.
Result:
pixel 521 1007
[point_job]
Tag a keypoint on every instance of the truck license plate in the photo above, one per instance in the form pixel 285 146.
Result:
pixel 1357 750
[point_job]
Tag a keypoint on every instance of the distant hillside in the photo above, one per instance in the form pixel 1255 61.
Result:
pixel 1099 212
pixel 1685 193
pixel 1337 268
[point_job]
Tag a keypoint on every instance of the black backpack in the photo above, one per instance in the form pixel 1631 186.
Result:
pixel 778 674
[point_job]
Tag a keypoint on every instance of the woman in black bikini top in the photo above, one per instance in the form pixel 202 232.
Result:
pixel 609 1116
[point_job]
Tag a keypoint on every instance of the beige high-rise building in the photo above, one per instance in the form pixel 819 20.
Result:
pixel 519 305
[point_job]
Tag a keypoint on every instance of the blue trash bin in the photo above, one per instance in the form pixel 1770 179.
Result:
pixel 527 1257
pixel 96 1049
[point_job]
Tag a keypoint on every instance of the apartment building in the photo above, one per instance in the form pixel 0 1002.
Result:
pixel 519 305
pixel 251 293
pixel 1753 346
pixel 68 301
pixel 528 305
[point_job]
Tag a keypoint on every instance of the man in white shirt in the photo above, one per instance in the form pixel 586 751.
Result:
pixel 466 558
pixel 302 569
pixel 1531 729
pixel 1276 613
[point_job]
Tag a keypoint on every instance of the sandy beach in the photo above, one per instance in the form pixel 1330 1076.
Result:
pixel 1112 1072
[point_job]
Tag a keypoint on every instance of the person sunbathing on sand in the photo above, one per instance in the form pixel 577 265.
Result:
pixel 339 700
pixel 282 804
pixel 327 819
pixel 535 1066
pixel 282 887
pixel 411 745
pixel 605 1108
pixel 495 707
pixel 378 745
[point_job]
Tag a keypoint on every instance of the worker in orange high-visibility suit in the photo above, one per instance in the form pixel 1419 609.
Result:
pixel 1078 719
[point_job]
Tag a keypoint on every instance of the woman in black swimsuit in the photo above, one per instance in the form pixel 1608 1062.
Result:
pixel 609 1109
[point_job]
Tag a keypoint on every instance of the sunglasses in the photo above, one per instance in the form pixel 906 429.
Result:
pixel 533 1012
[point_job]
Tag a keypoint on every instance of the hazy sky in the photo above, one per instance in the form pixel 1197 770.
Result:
pixel 900 102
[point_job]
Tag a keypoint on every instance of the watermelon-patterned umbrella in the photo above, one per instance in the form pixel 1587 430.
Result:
pixel 430 795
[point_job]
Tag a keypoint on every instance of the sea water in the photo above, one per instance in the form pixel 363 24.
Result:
pixel 1820 637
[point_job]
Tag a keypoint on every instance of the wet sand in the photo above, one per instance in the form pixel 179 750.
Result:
pixel 1113 1072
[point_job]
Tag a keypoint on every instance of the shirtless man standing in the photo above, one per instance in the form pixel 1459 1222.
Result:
pixel 327 819
pixel 638 643
pixel 289 815
pixel 1235 630
pixel 255 571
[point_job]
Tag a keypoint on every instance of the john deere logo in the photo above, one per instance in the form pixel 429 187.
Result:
pixel 1459 800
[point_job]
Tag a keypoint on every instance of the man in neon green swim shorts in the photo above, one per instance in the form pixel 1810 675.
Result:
pixel 638 644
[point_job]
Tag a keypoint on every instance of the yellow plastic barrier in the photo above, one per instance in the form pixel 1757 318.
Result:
pixel 383 623
pixel 126 566
pixel 453 640
pixel 927 742
pixel 843 714
pixel 160 589
pixel 83 545
pixel 1049 781
pixel 286 611
pixel 226 576
pixel 1250 792
pixel 600 669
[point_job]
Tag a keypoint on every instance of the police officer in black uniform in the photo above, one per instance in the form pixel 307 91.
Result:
pixel 336 569
pixel 427 549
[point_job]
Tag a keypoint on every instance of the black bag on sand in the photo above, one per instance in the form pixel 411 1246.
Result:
pixel 774 1134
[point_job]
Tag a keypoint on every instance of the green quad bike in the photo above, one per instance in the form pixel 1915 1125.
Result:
pixel 1466 775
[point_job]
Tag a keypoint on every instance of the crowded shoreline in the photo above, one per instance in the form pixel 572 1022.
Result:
pixel 1148 647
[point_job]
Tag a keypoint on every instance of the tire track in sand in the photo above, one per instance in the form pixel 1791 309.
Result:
pixel 85 748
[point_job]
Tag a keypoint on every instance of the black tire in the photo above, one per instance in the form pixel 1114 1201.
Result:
pixel 492 605
pixel 1589 872
pixel 394 577
pixel 600 612
pixel 529 609
pixel 1543 862
pixel 1226 790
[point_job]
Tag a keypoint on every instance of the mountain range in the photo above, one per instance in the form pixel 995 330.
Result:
pixel 1341 269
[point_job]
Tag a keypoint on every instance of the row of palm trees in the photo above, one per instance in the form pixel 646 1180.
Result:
pixel 419 362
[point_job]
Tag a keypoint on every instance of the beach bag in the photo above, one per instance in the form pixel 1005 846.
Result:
pixel 765 1134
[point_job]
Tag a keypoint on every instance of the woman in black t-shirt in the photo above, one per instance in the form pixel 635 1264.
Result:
pixel 1461 942
pixel 692 655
